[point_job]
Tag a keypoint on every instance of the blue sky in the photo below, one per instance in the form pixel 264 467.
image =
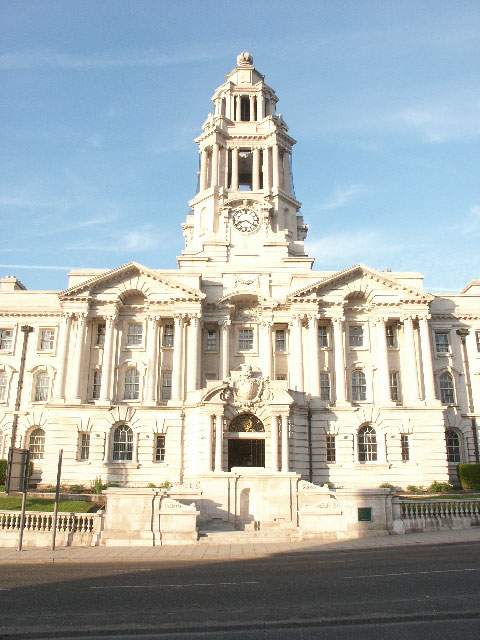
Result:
pixel 100 102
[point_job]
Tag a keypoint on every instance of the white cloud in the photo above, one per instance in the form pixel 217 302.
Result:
pixel 25 201
pixel 470 223
pixel 444 122
pixel 32 58
pixel 338 249
pixel 140 240
pixel 342 196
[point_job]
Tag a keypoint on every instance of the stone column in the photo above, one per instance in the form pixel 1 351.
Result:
pixel 266 169
pixel 286 172
pixel 252 108
pixel 107 360
pixel 203 170
pixel 192 349
pixel 214 175
pixel 224 166
pixel 339 356
pixel 427 363
pixel 411 386
pixel 235 169
pixel 275 163
pixel 225 348
pixel 152 360
pixel 237 108
pixel 274 444
pixel 313 345
pixel 228 106
pixel 209 446
pixel 78 356
pixel 296 353
pixel 382 387
pixel 260 109
pixel 218 443
pixel 256 170
pixel 177 358
pixel 266 349
pixel 64 338
pixel 285 467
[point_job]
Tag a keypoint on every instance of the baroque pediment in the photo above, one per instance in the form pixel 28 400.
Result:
pixel 361 281
pixel 133 277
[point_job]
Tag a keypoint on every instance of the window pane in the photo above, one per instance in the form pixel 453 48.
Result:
pixel 167 340
pixel 159 448
pixel 36 444
pixel 211 340
pixel 322 335
pixel 41 387
pixel 477 337
pixel 6 338
pixel 47 337
pixel 100 334
pixel 331 451
pixel 84 446
pixel 280 340
pixel 441 343
pixel 404 439
pixel 134 334
pixel 97 382
pixel 390 335
pixel 245 340
pixel 132 384
pixel 325 387
pixel 122 443
pixel 166 385
pixel 453 446
pixel 394 386
pixel 3 387
pixel 367 445
pixel 359 386
pixel 447 392
pixel 355 335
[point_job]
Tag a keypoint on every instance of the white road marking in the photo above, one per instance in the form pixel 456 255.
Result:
pixel 156 586
pixel 412 573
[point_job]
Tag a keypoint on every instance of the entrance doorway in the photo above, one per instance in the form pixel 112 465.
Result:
pixel 245 452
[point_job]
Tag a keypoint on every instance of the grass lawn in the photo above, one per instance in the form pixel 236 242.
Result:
pixel 14 503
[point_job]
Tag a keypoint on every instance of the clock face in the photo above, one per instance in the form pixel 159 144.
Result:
pixel 245 220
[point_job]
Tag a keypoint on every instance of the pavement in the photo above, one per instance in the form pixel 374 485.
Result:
pixel 208 551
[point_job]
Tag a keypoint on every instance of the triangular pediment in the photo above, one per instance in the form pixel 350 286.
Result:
pixel 362 281
pixel 133 277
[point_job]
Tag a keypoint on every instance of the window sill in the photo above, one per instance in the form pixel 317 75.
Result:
pixel 167 348
pixel 133 347
pixel 45 352
pixel 207 351
pixel 448 354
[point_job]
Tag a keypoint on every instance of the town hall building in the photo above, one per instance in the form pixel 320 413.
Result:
pixel 243 362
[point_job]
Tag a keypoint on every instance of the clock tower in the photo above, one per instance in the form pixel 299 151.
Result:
pixel 245 208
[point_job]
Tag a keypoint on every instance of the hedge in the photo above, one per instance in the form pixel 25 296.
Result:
pixel 469 476
pixel 3 471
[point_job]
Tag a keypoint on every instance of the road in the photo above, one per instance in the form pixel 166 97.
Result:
pixel 413 592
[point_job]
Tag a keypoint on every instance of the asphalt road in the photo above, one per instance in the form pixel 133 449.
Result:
pixel 413 592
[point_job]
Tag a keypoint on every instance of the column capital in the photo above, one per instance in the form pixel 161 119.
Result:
pixel 312 319
pixel 226 322
pixel 152 317
pixel 337 319
pixel 408 316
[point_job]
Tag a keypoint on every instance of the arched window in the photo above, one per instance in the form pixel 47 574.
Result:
pixel 359 386
pixel 367 444
pixel 3 386
pixel 36 444
pixel 132 384
pixel 453 445
pixel 122 443
pixel 447 390
pixel 42 385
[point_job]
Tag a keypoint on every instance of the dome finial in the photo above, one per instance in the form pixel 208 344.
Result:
pixel 244 59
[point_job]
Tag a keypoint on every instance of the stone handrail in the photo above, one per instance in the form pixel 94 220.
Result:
pixel 430 514
pixel 43 521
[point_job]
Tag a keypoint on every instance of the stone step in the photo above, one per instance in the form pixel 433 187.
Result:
pixel 244 537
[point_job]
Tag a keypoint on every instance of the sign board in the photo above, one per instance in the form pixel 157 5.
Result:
pixel 17 470
pixel 365 514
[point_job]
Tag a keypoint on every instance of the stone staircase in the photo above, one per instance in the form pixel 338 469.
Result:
pixel 225 533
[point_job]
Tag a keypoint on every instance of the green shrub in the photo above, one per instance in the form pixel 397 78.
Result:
pixel 440 487
pixel 165 485
pixel 414 489
pixel 386 485
pixel 469 475
pixel 76 488
pixel 97 485
pixel 151 485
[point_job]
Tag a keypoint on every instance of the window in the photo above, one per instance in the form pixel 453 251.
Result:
pixel 447 390
pixel 394 395
pixel 453 445
pixel 96 384
pixel 210 376
pixel 167 338
pixel 359 386
pixel 132 384
pixel 211 340
pixel 391 336
pixel 367 444
pixel 331 451
pixel 100 340
pixel 281 376
pixel 3 386
pixel 47 339
pixel 134 334
pixel 442 344
pixel 355 335
pixel 405 444
pixel 322 335
pixel 280 340
pixel 159 448
pixel 245 340
pixel 42 385
pixel 6 339
pixel 477 338
pixel 325 387
pixel 122 443
pixel 84 448
pixel 36 444
pixel 166 385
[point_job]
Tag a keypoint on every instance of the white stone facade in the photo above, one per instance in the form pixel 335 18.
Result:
pixel 244 356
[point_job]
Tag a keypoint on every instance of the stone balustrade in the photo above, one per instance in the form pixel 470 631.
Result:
pixel 415 516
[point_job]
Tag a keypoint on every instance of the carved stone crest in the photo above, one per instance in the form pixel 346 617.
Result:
pixel 248 390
